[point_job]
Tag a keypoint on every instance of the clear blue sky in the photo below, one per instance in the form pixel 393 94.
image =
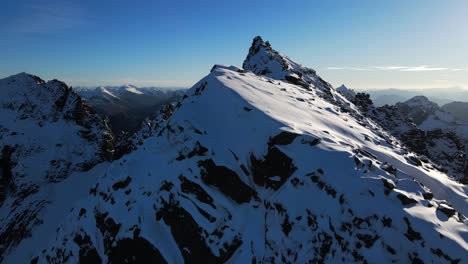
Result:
pixel 362 43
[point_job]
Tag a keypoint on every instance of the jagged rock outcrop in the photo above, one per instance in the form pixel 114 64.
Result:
pixel 263 60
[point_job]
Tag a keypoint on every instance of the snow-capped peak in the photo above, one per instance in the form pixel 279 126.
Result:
pixel 346 92
pixel 422 102
pixel 262 59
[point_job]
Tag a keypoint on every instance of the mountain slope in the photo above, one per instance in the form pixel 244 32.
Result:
pixel 458 109
pixel 46 134
pixel 439 140
pixel 432 119
pixel 254 169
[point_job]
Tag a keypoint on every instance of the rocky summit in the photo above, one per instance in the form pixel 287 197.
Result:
pixel 265 164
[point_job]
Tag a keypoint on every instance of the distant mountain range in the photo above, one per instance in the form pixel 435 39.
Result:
pixel 440 96
pixel 127 106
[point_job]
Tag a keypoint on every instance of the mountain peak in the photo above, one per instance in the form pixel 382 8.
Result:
pixel 24 77
pixel 346 92
pixel 262 59
pixel 258 41
pixel 421 102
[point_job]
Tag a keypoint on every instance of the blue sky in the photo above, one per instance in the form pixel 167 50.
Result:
pixel 364 44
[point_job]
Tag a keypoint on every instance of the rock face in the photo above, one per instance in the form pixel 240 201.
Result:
pixel 349 94
pixel 263 60
pixel 259 167
pixel 425 129
pixel 47 132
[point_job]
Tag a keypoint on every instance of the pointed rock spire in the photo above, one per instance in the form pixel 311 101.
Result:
pixel 264 60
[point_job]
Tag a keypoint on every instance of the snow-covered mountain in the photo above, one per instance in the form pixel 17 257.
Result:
pixel 424 128
pixel 432 119
pixel 46 133
pixel 127 106
pixel 458 109
pixel 263 164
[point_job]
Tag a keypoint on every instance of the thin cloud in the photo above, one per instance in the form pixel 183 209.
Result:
pixel 421 68
pixel 349 68
pixel 390 68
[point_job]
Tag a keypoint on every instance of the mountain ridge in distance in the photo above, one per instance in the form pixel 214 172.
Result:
pixel 440 96
pixel 127 106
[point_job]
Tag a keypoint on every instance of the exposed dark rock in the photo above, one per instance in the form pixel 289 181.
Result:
pixel 283 138
pixel 199 150
pixel 82 212
pixel 6 168
pixel 200 88
pixel 297 81
pixel 389 186
pixel 287 225
pixel 389 168
pixel 189 236
pixel 226 180
pixel 405 200
pixel 88 253
pixel 447 210
pixel 122 184
pixel 20 226
pixel 312 142
pixel 134 250
pixel 428 196
pixel 191 187
pixel 411 234
pixel 363 101
pixel 440 253
pixel 367 239
pixel 273 170
pixel 108 227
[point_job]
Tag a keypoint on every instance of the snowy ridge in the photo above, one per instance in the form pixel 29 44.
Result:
pixel 448 136
pixel 258 181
